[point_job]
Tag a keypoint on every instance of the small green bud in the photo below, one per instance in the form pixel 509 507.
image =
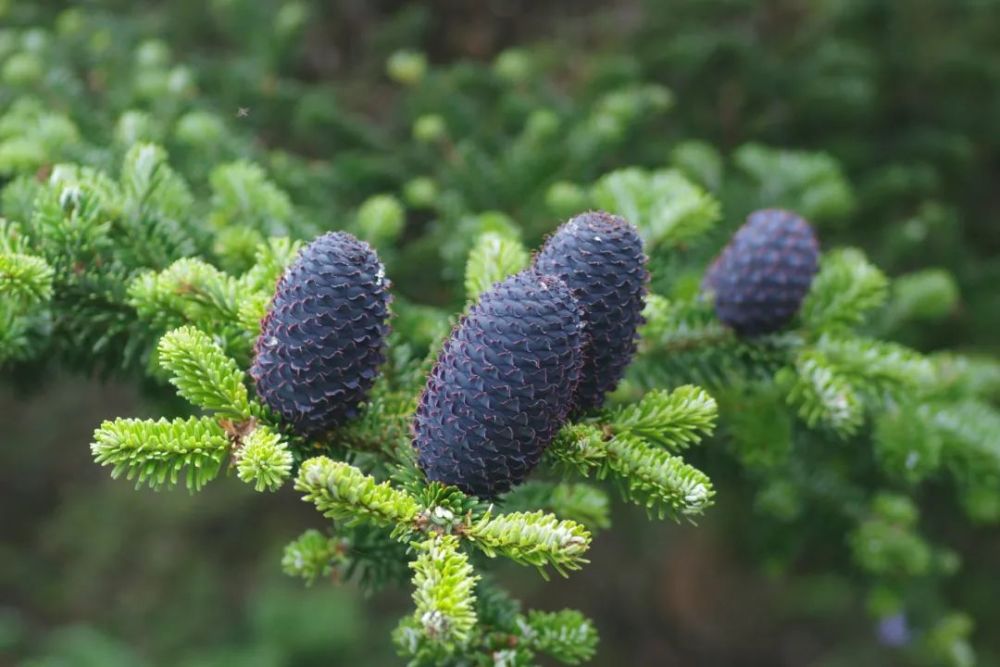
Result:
pixel 407 67
pixel 429 129
pixel 542 124
pixel 180 80
pixel 23 69
pixel 134 126
pixel 152 53
pixel 420 192
pixel 564 199
pixel 380 219
pixel 35 40
pixel 70 22
pixel 513 65
pixel 290 18
pixel 199 128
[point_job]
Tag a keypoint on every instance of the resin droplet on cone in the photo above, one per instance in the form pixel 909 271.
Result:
pixel 761 277
pixel 322 341
pixel 600 257
pixel 502 386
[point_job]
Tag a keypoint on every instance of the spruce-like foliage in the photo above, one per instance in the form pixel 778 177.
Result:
pixel 145 235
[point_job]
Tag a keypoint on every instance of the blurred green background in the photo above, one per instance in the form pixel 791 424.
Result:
pixel 901 98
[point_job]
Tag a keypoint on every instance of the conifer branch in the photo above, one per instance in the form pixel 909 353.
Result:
pixel 666 207
pixel 492 258
pixel 846 288
pixel 532 538
pixel 24 278
pixel 821 394
pixel 202 372
pixel 263 459
pixel 157 452
pixel 661 482
pixel 672 419
pixel 189 291
pixel 444 591
pixel 341 491
pixel 567 635
pixel 311 556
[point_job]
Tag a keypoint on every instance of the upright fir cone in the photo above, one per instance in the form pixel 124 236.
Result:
pixel 502 386
pixel 600 257
pixel 324 335
pixel 761 277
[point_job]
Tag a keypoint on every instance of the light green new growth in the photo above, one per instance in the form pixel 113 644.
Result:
pixel 264 460
pixel 188 291
pixel 674 420
pixel 821 394
pixel 667 208
pixel 879 367
pixel 341 491
pixel 846 288
pixel 26 279
pixel 444 590
pixel 532 538
pixel 311 556
pixel 380 220
pixel 651 476
pixel 580 446
pixel 829 381
pixel 202 372
pixel 807 182
pixel 157 452
pixel 567 635
pixel 242 195
pixel 147 181
pixel 493 258
pixel 270 260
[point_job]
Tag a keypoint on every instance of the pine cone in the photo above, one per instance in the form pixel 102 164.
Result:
pixel 599 256
pixel 323 338
pixel 502 386
pixel 761 277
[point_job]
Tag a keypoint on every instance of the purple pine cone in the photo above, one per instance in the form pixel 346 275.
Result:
pixel 761 277
pixel 599 256
pixel 323 338
pixel 502 386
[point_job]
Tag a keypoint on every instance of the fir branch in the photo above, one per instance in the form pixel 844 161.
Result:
pixel 270 261
pixel 312 556
pixel 263 459
pixel 584 503
pixel 492 258
pixel 879 368
pixel 188 291
pixel 579 446
pixel 156 452
pixel 666 207
pixel 341 491
pixel 567 635
pixel 25 278
pixel 444 591
pixel 652 477
pixel 846 288
pixel 532 538
pixel 202 372
pixel 821 394
pixel 674 420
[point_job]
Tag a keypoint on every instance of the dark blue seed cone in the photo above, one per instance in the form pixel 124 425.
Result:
pixel 322 340
pixel 502 386
pixel 761 277
pixel 599 256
